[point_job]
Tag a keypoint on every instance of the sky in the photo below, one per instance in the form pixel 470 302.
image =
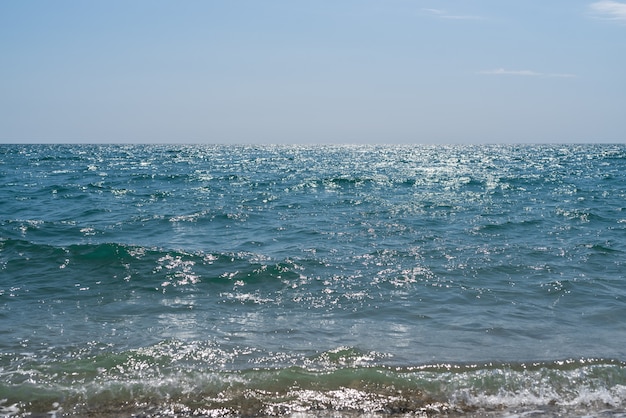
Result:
pixel 312 71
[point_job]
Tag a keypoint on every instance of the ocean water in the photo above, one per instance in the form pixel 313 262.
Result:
pixel 171 280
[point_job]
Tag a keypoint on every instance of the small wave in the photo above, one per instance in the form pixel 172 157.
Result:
pixel 103 261
pixel 192 379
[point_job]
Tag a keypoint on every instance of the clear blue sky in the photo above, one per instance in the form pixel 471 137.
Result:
pixel 313 71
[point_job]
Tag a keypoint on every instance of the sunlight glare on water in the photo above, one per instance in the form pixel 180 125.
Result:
pixel 219 280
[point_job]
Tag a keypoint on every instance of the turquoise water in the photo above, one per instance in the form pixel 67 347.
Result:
pixel 286 280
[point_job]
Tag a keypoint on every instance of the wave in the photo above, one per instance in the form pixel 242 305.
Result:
pixel 102 261
pixel 194 379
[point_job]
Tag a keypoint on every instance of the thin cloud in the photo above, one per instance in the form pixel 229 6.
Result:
pixel 524 73
pixel 608 9
pixel 442 14
pixel 502 71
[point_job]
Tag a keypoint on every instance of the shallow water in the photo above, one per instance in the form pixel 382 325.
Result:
pixel 225 280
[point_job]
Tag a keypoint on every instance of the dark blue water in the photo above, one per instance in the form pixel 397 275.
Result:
pixel 312 280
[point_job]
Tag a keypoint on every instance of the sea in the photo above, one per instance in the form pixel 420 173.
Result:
pixel 313 281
